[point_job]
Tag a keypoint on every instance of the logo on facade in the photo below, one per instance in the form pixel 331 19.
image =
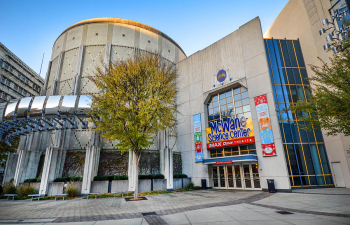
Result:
pixel 234 131
pixel 221 76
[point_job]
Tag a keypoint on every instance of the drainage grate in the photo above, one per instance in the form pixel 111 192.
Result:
pixel 148 213
pixel 283 212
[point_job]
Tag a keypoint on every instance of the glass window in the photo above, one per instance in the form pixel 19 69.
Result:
pixel 276 75
pixel 292 54
pixel 271 53
pixel 245 101
pixel 228 151
pixel 297 76
pixel 298 53
pixel 290 76
pixel 278 53
pixel 285 54
pixel 245 95
pixel 304 76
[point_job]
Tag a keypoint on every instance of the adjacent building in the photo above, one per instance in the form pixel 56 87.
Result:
pixel 17 80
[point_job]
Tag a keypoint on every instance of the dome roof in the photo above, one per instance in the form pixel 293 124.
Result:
pixel 123 21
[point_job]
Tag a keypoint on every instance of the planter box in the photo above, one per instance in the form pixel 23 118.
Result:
pixel 78 185
pixel 99 186
pixel 181 183
pixel 145 185
pixel 36 185
pixel 120 186
pixel 159 184
pixel 55 188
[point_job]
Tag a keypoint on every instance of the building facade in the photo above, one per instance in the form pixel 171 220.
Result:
pixel 17 80
pixel 233 131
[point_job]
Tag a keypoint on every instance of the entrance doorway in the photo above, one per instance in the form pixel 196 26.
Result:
pixel 243 176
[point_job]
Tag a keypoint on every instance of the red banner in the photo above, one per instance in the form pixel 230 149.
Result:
pixel 246 140
pixel 223 162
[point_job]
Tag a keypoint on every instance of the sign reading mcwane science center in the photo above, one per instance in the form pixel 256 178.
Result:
pixel 234 131
pixel 265 130
pixel 198 137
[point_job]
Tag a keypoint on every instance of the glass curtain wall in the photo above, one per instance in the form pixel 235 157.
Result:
pixel 304 150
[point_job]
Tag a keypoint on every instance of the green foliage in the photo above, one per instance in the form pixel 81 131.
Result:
pixel 71 190
pixel 158 176
pixel 11 180
pixel 9 189
pixel 68 179
pixel 32 180
pixel 190 185
pixel 327 103
pixel 180 176
pixel 26 190
pixel 5 149
pixel 125 177
pixel 138 100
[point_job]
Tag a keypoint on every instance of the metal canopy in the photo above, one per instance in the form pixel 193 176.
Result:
pixel 41 113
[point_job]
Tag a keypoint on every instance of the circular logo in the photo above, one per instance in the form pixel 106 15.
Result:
pixel 199 157
pixel 221 76
pixel 268 150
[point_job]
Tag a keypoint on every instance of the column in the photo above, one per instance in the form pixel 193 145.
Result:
pixel 77 76
pixel 92 160
pixel 166 159
pixel 27 165
pixel 131 171
pixel 10 169
pixel 53 165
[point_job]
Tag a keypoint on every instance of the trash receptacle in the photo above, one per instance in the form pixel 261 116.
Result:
pixel 204 183
pixel 271 185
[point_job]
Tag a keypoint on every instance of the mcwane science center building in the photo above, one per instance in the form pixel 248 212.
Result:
pixel 233 130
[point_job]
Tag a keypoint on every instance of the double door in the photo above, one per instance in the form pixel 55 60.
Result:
pixel 236 176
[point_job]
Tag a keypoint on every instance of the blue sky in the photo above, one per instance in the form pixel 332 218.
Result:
pixel 29 28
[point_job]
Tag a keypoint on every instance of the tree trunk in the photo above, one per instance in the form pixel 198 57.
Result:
pixel 136 194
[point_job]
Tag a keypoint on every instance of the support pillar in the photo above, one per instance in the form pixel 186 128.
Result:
pixel 166 160
pixel 27 165
pixel 53 166
pixel 132 171
pixel 92 160
pixel 10 169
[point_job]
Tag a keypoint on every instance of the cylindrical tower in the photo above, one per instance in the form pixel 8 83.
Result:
pixel 75 55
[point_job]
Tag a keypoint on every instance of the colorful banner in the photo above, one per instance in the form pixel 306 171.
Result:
pixel 198 137
pixel 234 131
pixel 265 129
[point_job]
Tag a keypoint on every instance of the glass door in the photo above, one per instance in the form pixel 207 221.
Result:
pixel 247 177
pixel 230 177
pixel 256 177
pixel 222 176
pixel 238 177
pixel 215 177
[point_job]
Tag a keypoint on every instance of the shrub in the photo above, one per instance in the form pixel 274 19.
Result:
pixel 32 180
pixel 71 190
pixel 111 177
pixel 190 185
pixel 9 189
pixel 158 176
pixel 180 176
pixel 11 180
pixel 68 179
pixel 26 190
pixel 142 177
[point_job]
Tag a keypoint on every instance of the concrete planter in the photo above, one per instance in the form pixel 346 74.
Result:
pixel 99 186
pixel 145 185
pixel 159 185
pixel 36 185
pixel 55 188
pixel 78 185
pixel 120 186
pixel 181 183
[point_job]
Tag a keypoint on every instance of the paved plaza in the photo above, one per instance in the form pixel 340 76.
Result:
pixel 319 206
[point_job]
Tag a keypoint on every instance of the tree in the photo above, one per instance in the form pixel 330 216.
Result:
pixel 6 149
pixel 137 99
pixel 327 104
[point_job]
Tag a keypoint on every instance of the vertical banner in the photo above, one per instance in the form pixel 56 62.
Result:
pixel 198 137
pixel 265 129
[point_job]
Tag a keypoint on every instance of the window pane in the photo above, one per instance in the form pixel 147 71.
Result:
pixel 236 91
pixel 211 111
pixel 318 134
pixel 271 76
pixel 215 98
pixel 238 103
pixel 286 93
pixel 211 117
pixel 237 97
pixel 271 53
pixel 227 152
pixel 283 76
pixel 292 54
pixel 246 108
pixel 324 160
pixel 303 133
pixel 248 115
pixel 292 159
pixel 290 76
pixel 300 158
pixel 304 76
pixel 295 132
pixel 276 75
pixel 279 93
pixel 229 99
pixel 299 54
pixel 215 104
pixel 245 95
pixel 287 132
pixel 229 93
pixel 222 101
pixel 222 96
pixel 297 76
pixel 285 53
pixel 239 110
pixel 245 101
pixel 294 93
pixel 278 53
pixel 308 159
pixel 230 106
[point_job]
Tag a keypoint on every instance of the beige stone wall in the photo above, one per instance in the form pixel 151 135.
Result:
pixel 302 19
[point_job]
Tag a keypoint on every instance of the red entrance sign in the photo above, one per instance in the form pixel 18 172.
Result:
pixel 240 141
pixel 223 162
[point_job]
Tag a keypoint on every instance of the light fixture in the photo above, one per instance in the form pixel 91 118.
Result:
pixel 325 22
pixel 322 31
pixel 326 46
pixel 329 37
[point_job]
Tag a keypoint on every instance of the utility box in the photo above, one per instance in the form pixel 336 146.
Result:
pixel 271 185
